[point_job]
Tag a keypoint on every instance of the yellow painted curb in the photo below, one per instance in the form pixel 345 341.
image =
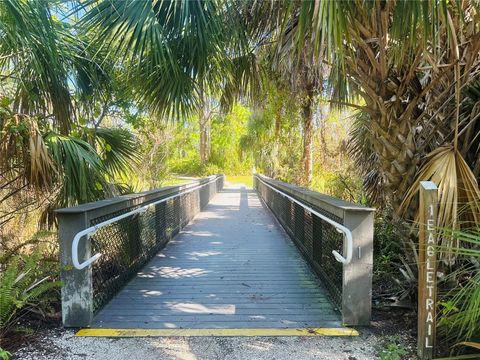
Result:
pixel 216 332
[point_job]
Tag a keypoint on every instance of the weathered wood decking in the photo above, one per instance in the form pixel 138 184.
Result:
pixel 232 267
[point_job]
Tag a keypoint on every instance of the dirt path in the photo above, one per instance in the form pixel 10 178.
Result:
pixel 61 344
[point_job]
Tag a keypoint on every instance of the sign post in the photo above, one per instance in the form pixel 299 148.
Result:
pixel 427 270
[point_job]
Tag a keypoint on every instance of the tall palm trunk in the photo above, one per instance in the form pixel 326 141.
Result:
pixel 307 158
pixel 394 97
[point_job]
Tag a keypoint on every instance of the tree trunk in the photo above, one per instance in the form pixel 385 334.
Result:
pixel 204 123
pixel 204 127
pixel 307 159
pixel 393 124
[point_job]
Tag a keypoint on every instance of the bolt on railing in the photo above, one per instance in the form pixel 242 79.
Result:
pixel 322 227
pixel 123 233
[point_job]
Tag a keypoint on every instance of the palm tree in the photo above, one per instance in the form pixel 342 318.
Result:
pixel 407 70
pixel 33 49
pixel 51 155
pixel 403 65
pixel 274 134
pixel 273 46
pixel 305 79
pixel 170 50
pixel 176 55
pixel 409 63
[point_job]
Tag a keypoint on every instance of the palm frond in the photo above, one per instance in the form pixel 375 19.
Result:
pixel 169 48
pixel 361 150
pixel 81 168
pixel 118 149
pixel 23 152
pixel 457 186
pixel 33 48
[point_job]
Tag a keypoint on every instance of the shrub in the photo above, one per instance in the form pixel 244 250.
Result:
pixel 4 355
pixel 25 284
pixel 460 306
pixel 388 244
pixel 394 348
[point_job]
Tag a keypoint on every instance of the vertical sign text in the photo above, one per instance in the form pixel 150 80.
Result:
pixel 427 270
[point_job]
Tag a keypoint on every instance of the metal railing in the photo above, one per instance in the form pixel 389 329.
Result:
pixel 93 229
pixel 321 227
pixel 124 233
pixel 340 228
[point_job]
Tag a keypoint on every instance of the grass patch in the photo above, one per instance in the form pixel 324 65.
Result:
pixel 246 180
pixel 177 181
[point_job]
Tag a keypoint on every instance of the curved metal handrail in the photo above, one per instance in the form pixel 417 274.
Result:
pixel 92 229
pixel 339 227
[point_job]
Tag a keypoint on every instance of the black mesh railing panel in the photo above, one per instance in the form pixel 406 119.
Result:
pixel 308 233
pixel 299 231
pixel 315 237
pixel 128 244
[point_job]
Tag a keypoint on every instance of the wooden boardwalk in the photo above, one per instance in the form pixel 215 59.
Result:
pixel 233 267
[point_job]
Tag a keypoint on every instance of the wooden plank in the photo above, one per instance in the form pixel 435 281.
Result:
pixel 238 306
pixel 225 297
pixel 219 290
pixel 237 301
pixel 204 274
pixel 217 325
pixel 216 281
pixel 211 311
pixel 132 301
pixel 216 318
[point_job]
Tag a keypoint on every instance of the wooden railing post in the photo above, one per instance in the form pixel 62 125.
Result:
pixel 427 273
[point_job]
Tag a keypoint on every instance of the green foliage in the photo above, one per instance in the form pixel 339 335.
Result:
pixel 394 348
pixel 183 157
pixel 334 172
pixel 172 51
pixel 80 166
pixel 193 167
pixel 273 140
pixel 246 180
pixel 460 306
pixel 388 245
pixel 4 354
pixel 393 351
pixel 227 131
pixel 174 148
pixel 116 148
pixel 42 57
pixel 83 170
pixel 24 283
pixel 54 97
pixel 42 241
